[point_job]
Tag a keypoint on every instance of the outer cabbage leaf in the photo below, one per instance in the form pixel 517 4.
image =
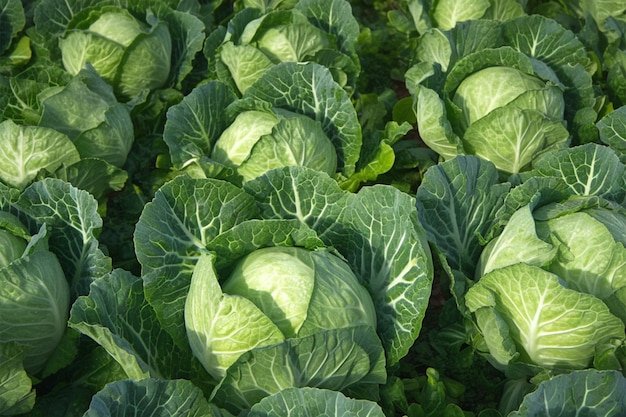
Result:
pixel 587 170
pixel 13 20
pixel 16 393
pixel 304 402
pixel 585 392
pixel 117 316
pixel 600 10
pixel 518 242
pixel 27 150
pixel 612 129
pixel 52 16
pixel 295 41
pixel 615 60
pixel 96 176
pixel 159 398
pixel 448 12
pixel 434 126
pixel 535 191
pixel 73 220
pixel 187 32
pixel 537 321
pixel 245 63
pixel 456 203
pixel 193 127
pixel 348 358
pixel 336 17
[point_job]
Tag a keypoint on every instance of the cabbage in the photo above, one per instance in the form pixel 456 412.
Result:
pixel 131 55
pixel 34 293
pixel 273 294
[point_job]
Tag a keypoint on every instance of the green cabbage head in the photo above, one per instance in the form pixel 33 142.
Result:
pixel 507 91
pixel 272 294
pixel 132 55
pixel 258 141
pixel 509 116
pixel 34 293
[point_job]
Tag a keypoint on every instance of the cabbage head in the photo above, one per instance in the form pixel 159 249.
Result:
pixel 258 141
pixel 492 90
pixel 132 55
pixel 87 111
pixel 580 240
pixel 273 294
pixel 34 293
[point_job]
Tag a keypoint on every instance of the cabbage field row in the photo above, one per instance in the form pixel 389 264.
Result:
pixel 312 207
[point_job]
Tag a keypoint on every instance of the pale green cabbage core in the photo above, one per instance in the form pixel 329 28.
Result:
pixel 295 141
pixel 278 280
pixel 303 292
pixel 118 27
pixel 491 88
pixel 236 142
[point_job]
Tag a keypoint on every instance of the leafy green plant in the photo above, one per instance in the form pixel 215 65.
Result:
pixel 302 207
pixel 488 89
pixel 35 296
pixel 50 255
pixel 259 37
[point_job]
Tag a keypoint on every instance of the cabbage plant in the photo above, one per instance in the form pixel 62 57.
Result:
pixel 34 293
pixel 294 115
pixel 138 47
pixel 261 36
pixel 536 266
pixel 132 55
pixel 71 128
pixel 581 240
pixel 527 317
pixel 492 90
pixel 50 255
pixel 87 111
pixel 350 305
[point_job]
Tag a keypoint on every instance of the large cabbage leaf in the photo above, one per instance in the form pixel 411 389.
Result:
pixel 160 398
pixel 587 392
pixel 526 316
pixel 303 402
